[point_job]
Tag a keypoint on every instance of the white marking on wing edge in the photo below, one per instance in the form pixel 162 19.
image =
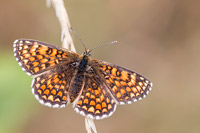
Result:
pixel 14 49
pixel 150 88
pixel 41 101
pixel 23 69
pixel 151 84
pixel 147 92
pixel 90 116
pixel 29 74
pixel 110 114
pixel 48 104
pixel 129 102
pixel 82 113
pixel 135 100
pixel 17 59
pixel 14 45
pixel 76 109
pixel 55 106
pixel 98 118
pixel 144 96
pixel 36 96
pixel 20 63
pixel 27 42
pixel 121 103
pixel 33 91
pixel 140 98
pixel 62 106
pixel 15 42
pixel 104 116
pixel 15 54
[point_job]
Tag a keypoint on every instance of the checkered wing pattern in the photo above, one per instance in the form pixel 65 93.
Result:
pixel 126 86
pixel 95 102
pixel 51 68
pixel 51 87
pixel 36 57
pixel 54 68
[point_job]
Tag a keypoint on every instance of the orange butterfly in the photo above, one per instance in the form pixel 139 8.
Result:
pixel 61 76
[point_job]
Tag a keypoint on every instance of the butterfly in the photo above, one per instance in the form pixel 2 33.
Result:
pixel 61 76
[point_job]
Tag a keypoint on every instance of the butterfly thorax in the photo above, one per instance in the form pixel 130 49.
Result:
pixel 83 63
pixel 78 81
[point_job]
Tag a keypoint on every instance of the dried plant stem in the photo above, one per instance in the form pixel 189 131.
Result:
pixel 90 126
pixel 63 18
pixel 67 43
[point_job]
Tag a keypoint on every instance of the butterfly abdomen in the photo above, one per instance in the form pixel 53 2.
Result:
pixel 77 82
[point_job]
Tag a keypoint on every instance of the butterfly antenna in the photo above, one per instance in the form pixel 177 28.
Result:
pixel 113 42
pixel 78 38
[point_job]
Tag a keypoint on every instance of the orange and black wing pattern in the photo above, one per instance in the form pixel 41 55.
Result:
pixel 51 67
pixel 103 85
pixel 51 88
pixel 95 102
pixel 126 86
pixel 36 57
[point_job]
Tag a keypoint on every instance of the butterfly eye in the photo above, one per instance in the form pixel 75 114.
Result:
pixel 85 53
pixel 75 64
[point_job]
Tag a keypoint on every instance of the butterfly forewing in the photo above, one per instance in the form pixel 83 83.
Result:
pixel 126 86
pixel 36 57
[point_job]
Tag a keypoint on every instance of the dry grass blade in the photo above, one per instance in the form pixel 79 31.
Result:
pixel 90 126
pixel 63 18
pixel 67 42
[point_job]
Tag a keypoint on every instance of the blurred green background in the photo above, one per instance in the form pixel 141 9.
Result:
pixel 158 38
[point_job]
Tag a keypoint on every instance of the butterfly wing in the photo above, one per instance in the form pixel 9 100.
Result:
pixel 126 86
pixel 52 68
pixel 51 88
pixel 36 57
pixel 95 102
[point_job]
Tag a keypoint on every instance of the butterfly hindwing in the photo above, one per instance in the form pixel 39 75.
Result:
pixel 95 102
pixel 51 88
pixel 36 57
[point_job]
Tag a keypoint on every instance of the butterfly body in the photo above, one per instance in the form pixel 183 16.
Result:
pixel 61 76
pixel 79 78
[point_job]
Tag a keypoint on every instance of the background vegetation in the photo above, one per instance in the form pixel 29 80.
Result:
pixel 159 39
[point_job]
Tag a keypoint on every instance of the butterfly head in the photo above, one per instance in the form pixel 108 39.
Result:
pixel 87 52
